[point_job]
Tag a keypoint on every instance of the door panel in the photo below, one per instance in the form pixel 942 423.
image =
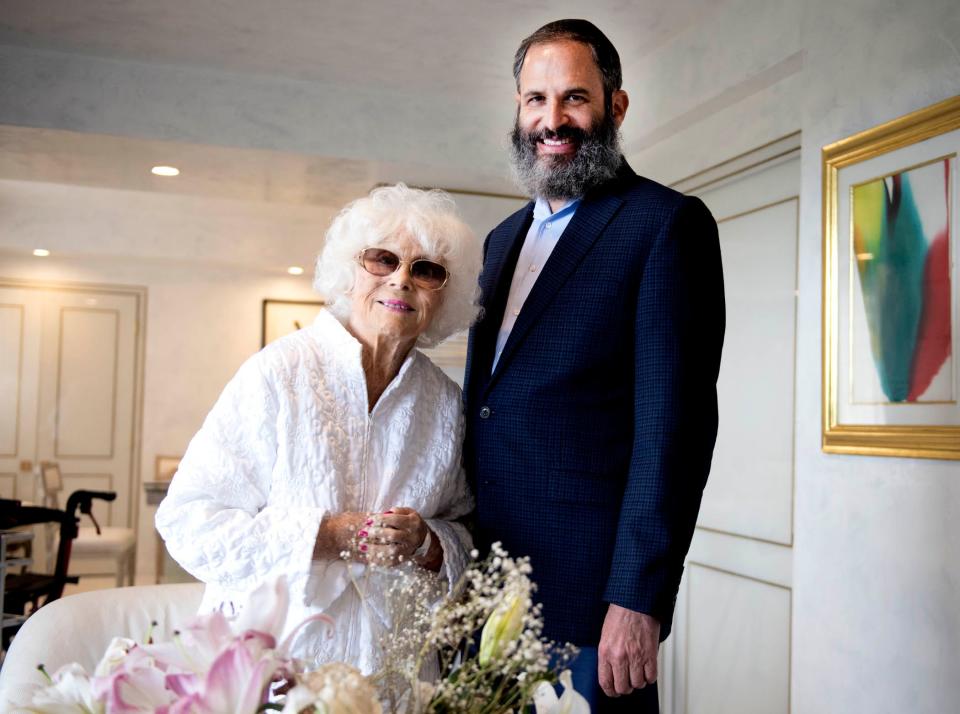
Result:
pixel 86 383
pixel 754 496
pixel 722 653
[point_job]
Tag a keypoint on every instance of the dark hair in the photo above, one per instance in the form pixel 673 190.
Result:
pixel 604 53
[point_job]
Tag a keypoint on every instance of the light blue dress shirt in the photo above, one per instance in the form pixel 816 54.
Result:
pixel 541 239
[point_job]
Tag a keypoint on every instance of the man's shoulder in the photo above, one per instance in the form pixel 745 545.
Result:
pixel 636 188
pixel 512 222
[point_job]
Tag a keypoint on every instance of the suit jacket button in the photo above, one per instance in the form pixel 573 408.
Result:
pixel 484 412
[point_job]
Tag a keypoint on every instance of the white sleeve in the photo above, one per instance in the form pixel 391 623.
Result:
pixel 456 503
pixel 216 520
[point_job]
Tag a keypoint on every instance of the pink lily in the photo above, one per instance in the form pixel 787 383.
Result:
pixel 196 646
pixel 138 689
pixel 237 680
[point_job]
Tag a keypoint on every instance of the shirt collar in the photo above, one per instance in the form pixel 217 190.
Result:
pixel 541 209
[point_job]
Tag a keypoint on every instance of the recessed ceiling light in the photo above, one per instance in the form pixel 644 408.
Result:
pixel 165 171
pixel 295 270
pixel 41 252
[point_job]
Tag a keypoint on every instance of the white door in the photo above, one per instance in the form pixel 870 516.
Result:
pixel 69 364
pixel 730 648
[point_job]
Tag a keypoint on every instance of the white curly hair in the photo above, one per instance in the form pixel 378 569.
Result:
pixel 429 217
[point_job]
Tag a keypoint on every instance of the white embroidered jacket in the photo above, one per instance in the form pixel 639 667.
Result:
pixel 289 440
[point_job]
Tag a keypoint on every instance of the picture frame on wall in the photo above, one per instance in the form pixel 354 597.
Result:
pixel 165 467
pixel 891 288
pixel 281 317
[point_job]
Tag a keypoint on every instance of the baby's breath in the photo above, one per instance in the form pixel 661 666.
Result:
pixel 428 627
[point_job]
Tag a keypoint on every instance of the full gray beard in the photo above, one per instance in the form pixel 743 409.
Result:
pixel 559 178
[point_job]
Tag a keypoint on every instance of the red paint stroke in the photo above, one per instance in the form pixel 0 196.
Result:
pixel 933 342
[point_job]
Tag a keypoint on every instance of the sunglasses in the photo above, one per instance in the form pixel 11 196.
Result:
pixel 424 273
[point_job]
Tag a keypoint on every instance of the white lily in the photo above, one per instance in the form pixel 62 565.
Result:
pixel 546 701
pixel 116 652
pixel 505 623
pixel 68 693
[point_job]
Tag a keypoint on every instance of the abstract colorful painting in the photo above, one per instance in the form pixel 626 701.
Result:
pixel 891 288
pixel 901 245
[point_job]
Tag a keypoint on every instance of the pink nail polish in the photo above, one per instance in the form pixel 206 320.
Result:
pixel 369 523
pixel 362 534
pixel 363 547
pixel 387 513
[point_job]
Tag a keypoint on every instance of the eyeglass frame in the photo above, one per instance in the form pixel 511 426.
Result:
pixel 401 262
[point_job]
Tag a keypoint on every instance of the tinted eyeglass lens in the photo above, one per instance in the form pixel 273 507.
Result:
pixel 380 262
pixel 428 273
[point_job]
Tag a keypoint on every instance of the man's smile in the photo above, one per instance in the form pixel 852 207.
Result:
pixel 564 145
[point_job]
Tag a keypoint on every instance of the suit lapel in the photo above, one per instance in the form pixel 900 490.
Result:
pixel 495 282
pixel 586 226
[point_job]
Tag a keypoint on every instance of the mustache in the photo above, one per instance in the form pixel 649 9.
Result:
pixel 564 132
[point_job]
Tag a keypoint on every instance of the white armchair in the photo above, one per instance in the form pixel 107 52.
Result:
pixel 78 628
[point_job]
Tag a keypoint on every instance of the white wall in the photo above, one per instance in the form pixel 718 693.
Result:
pixel 876 618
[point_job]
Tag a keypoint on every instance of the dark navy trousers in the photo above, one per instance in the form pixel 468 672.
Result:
pixel 585 681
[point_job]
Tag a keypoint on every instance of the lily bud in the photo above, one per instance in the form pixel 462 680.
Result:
pixel 503 626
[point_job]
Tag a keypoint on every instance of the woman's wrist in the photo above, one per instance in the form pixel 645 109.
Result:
pixel 432 556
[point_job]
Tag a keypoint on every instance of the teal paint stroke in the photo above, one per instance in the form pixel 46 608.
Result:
pixel 892 285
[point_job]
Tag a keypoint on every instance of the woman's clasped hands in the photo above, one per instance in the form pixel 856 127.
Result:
pixel 388 538
pixel 391 537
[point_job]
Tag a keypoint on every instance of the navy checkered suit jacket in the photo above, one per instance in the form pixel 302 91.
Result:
pixel 589 446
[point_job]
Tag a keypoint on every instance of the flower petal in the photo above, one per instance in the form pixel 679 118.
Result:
pixel 571 701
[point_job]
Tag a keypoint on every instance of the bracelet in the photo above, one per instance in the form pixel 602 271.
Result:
pixel 424 548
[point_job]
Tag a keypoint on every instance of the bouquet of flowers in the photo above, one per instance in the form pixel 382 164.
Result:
pixel 217 664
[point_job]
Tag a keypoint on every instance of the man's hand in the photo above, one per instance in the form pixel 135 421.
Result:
pixel 628 651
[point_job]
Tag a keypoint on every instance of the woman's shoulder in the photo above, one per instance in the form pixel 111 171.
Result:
pixel 286 355
pixel 434 378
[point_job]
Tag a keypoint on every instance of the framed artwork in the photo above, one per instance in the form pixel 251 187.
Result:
pixel 165 467
pixel 890 288
pixel 281 317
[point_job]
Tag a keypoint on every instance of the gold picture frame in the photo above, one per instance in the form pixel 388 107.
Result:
pixel 281 317
pixel 868 182
pixel 165 467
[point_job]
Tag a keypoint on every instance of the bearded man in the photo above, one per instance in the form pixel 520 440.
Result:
pixel 591 381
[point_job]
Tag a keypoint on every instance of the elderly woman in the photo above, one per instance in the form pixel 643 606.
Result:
pixel 341 437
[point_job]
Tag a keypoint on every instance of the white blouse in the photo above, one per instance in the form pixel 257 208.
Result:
pixel 289 440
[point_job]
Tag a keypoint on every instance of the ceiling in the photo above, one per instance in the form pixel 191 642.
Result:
pixel 432 45
pixel 458 51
